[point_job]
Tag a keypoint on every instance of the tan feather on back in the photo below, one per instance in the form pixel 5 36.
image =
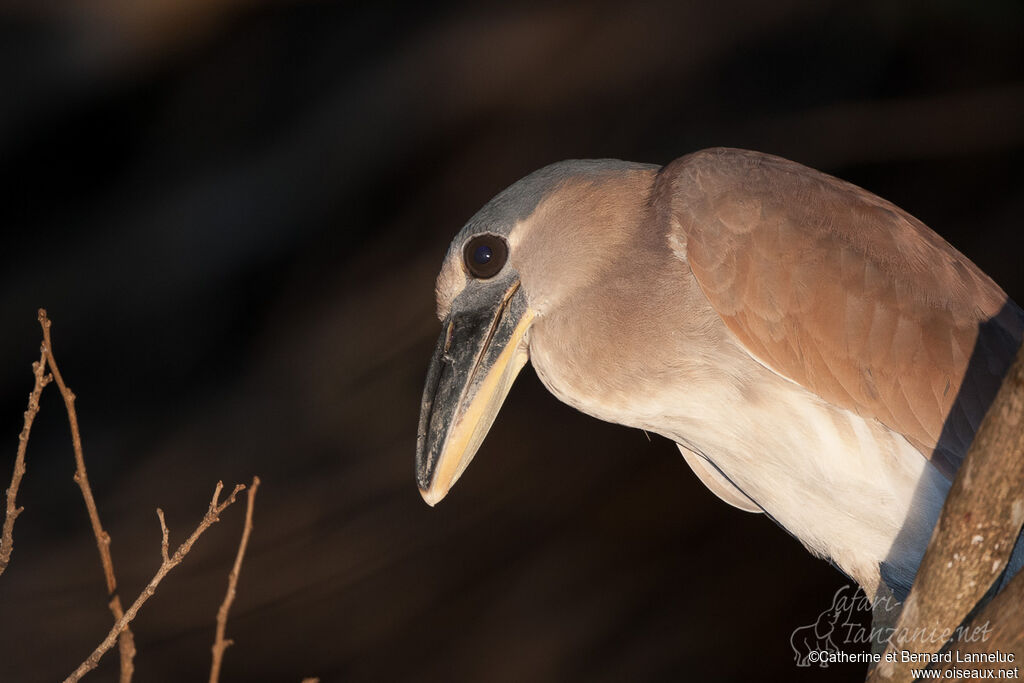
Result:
pixel 845 294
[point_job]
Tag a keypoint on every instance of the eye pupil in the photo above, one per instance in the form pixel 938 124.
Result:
pixel 485 255
pixel 482 254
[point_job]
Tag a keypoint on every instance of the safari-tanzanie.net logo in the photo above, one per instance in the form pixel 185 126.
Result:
pixel 839 634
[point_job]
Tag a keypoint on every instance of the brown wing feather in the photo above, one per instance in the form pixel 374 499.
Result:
pixel 846 294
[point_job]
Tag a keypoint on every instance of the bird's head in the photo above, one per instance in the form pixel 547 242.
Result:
pixel 520 257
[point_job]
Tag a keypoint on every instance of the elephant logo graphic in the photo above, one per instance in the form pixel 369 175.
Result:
pixel 817 637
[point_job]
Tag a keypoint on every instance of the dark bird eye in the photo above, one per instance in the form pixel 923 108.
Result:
pixel 485 255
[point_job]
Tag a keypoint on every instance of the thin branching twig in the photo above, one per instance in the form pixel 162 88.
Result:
pixel 167 563
pixel 7 541
pixel 127 642
pixel 220 643
pixel 164 543
pixel 120 632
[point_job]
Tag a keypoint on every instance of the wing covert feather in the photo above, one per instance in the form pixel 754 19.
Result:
pixel 846 294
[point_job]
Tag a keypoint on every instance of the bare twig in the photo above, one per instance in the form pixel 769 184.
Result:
pixel 127 642
pixel 167 564
pixel 219 643
pixel 7 542
pixel 81 478
pixel 164 542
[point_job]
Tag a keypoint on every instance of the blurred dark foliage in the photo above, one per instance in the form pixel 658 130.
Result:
pixel 234 211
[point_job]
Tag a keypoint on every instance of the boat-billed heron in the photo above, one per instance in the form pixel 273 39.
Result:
pixel 818 354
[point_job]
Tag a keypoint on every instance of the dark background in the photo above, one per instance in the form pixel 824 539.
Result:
pixel 234 211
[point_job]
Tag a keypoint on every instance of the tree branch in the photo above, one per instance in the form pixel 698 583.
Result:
pixel 211 517
pixel 127 644
pixel 996 627
pixel 7 541
pixel 219 643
